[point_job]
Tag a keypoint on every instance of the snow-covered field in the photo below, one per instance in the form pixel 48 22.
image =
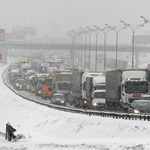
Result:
pixel 50 129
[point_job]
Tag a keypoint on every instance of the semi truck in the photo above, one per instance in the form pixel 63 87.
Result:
pixel 87 74
pixel 36 82
pixel 85 86
pixel 24 67
pixel 95 91
pixel 125 85
pixel 82 88
pixel 63 83
pixel 75 98
pixel 47 87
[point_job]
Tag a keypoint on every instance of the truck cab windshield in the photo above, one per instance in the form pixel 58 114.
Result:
pixel 48 82
pixel 99 87
pixel 136 87
pixel 98 95
pixel 25 70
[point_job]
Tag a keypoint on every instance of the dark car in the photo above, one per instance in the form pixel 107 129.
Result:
pixel 58 99
pixel 140 106
pixel 21 84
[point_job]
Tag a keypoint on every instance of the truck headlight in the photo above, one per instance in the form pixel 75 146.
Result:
pixel 136 111
pixel 94 104
pixel 39 92
pixel 85 102
pixel 62 101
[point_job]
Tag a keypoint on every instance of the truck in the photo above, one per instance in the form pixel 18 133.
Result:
pixel 37 82
pixel 81 94
pixel 50 70
pixel 12 70
pixel 125 85
pixel 38 88
pixel 47 87
pixel 95 91
pixel 75 98
pixel 24 67
pixel 24 60
pixel 87 74
pixel 63 83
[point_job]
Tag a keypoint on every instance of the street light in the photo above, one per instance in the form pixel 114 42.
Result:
pixel 76 34
pixel 84 32
pixel 96 33
pixel 117 32
pixel 89 32
pixel 145 19
pixel 72 36
pixel 133 30
pixel 80 33
pixel 105 33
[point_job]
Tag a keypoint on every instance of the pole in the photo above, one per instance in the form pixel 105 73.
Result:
pixel 96 54
pixel 85 53
pixel 89 49
pixel 104 51
pixel 133 51
pixel 116 50
pixel 81 50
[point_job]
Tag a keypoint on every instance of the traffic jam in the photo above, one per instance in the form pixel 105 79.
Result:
pixel 120 90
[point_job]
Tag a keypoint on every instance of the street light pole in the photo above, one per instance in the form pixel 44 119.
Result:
pixel 96 33
pixel 84 32
pixel 133 31
pixel 72 36
pixel 89 32
pixel 117 32
pixel 80 32
pixel 105 33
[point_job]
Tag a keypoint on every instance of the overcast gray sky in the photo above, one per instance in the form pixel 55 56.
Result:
pixel 56 17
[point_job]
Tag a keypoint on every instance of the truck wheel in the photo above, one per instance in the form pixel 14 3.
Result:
pixel 36 93
pixel 44 97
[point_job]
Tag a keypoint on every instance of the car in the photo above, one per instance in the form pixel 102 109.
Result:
pixel 139 107
pixel 21 84
pixel 145 97
pixel 58 99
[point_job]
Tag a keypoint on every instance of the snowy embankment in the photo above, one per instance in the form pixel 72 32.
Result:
pixel 46 128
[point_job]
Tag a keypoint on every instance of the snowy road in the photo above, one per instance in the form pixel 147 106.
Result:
pixel 50 129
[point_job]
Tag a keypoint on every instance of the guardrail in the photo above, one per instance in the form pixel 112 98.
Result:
pixel 115 115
